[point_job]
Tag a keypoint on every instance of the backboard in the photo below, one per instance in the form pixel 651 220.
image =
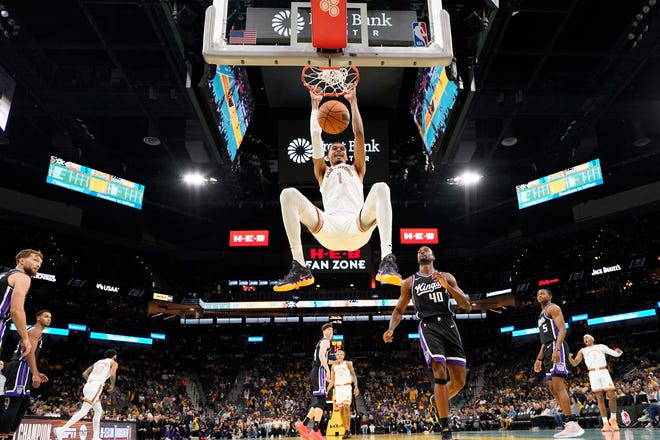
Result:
pixel 374 38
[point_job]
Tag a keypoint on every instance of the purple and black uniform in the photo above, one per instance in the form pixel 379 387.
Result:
pixel 549 331
pixel 5 306
pixel 317 377
pixel 438 333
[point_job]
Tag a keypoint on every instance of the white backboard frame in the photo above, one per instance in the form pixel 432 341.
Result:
pixel 216 50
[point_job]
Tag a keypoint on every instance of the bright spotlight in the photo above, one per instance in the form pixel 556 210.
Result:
pixel 470 178
pixel 194 179
pixel 465 179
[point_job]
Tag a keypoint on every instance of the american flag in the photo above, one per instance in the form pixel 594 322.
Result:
pixel 242 37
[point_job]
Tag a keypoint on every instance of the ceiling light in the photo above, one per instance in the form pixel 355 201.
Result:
pixel 194 179
pixel 509 141
pixel 152 141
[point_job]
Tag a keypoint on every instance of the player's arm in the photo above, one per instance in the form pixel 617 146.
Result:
pixel 34 334
pixel 538 363
pixel 87 372
pixel 359 153
pixel 21 284
pixel 449 282
pixel 356 391
pixel 575 361
pixel 616 352
pixel 318 155
pixel 397 313
pixel 113 375
pixel 323 356
pixel 332 380
pixel 557 316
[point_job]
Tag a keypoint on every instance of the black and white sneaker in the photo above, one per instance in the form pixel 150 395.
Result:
pixel 298 276
pixel 388 271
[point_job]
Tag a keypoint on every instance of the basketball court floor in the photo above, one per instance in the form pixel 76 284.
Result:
pixel 589 434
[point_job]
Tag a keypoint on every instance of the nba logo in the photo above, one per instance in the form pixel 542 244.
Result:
pixel 420 37
pixel 625 417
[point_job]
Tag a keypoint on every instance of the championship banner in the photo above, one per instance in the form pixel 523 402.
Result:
pixel 32 428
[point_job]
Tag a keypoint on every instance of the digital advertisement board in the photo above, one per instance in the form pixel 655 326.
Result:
pixel 295 151
pixel 559 184
pixel 96 183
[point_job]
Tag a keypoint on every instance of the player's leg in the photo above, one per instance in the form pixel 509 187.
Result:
pixel 96 421
pixel 600 399
pixel 457 376
pixel 441 396
pixel 297 210
pixel 378 209
pixel 611 399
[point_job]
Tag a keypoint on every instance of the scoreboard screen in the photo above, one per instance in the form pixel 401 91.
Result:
pixel 562 183
pixel 86 180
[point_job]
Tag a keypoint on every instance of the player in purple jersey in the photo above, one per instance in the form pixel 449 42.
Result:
pixel 552 359
pixel 431 291
pixel 14 286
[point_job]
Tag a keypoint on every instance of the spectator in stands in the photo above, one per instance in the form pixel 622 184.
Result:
pixel 599 377
pixel 650 416
pixel 506 418
pixel 552 358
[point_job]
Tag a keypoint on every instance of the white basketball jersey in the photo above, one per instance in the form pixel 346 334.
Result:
pixel 594 356
pixel 341 190
pixel 342 374
pixel 100 371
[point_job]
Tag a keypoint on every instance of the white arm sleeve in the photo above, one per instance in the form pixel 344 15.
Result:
pixel 608 350
pixel 315 132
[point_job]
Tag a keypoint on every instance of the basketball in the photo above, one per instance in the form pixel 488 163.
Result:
pixel 333 117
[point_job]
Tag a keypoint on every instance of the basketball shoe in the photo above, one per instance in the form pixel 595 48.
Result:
pixel 571 429
pixel 388 271
pixel 613 424
pixel 302 430
pixel 446 434
pixel 606 427
pixel 347 434
pixel 316 435
pixel 298 276
pixel 59 433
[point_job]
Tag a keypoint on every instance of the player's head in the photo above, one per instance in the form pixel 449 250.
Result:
pixel 30 261
pixel 111 353
pixel 327 329
pixel 544 296
pixel 588 339
pixel 340 354
pixel 44 317
pixel 337 153
pixel 425 255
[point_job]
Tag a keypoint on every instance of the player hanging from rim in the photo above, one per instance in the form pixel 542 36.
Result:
pixel 599 377
pixel 348 219
pixel 343 378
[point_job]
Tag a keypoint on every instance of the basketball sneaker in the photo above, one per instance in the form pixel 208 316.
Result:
pixel 606 428
pixel 388 271
pixel 302 430
pixel 298 276
pixel 316 435
pixel 446 434
pixel 571 429
pixel 346 435
pixel 59 433
pixel 613 424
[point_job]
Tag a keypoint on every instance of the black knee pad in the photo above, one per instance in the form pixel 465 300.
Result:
pixel 440 381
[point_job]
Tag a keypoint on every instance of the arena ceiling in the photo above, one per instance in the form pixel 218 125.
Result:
pixel 571 81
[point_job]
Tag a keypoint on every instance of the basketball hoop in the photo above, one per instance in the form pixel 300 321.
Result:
pixel 332 81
